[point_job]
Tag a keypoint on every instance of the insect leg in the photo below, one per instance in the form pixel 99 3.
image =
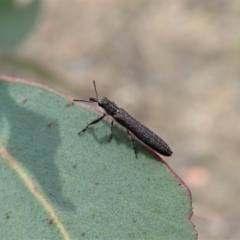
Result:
pixel 110 137
pixel 132 142
pixel 93 122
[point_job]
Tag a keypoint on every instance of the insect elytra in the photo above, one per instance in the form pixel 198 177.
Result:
pixel 131 124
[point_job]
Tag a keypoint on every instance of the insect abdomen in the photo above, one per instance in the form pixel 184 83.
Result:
pixel 142 132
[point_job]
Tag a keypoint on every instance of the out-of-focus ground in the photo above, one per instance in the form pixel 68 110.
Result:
pixel 175 66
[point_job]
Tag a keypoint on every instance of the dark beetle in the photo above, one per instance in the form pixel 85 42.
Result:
pixel 131 124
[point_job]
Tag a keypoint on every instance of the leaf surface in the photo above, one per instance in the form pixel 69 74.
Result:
pixel 16 22
pixel 55 184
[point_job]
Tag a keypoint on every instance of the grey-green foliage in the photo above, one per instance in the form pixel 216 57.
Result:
pixel 98 190
pixel 16 22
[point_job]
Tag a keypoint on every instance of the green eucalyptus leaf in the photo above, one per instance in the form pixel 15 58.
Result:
pixel 55 184
pixel 16 22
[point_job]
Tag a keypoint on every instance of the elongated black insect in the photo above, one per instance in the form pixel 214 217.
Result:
pixel 131 124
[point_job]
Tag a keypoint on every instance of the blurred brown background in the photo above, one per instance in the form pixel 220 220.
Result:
pixel 174 65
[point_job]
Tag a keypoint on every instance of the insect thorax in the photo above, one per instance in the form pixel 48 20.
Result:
pixel 110 107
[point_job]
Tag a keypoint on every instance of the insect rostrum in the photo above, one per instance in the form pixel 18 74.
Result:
pixel 131 124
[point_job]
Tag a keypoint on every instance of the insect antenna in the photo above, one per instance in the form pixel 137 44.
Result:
pixel 95 88
pixel 80 100
pixel 91 99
